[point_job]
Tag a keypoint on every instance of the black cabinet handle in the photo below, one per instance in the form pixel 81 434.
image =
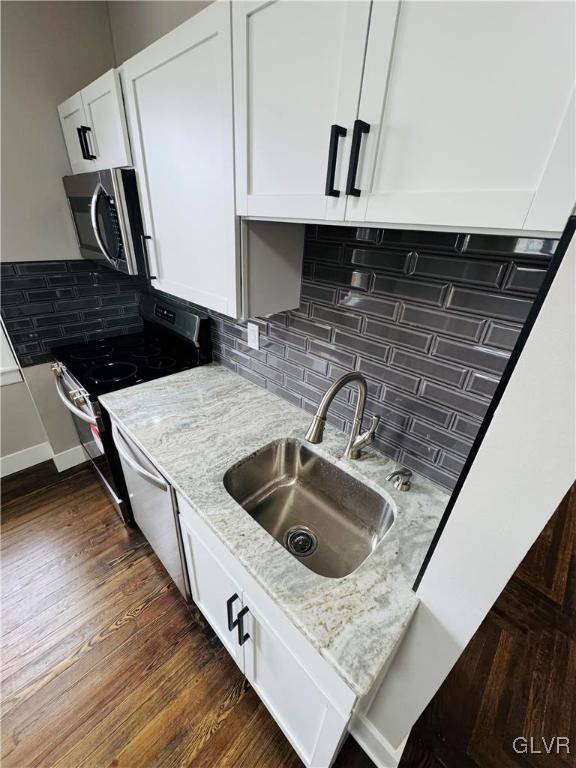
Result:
pixel 85 149
pixel 336 133
pixel 360 127
pixel 242 636
pixel 229 603
pixel 86 130
pixel 82 144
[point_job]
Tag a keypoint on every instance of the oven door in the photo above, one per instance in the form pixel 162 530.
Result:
pixel 92 434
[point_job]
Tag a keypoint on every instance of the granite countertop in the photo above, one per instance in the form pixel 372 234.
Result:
pixel 195 425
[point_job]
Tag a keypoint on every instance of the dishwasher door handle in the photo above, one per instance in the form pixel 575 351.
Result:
pixel 120 443
pixel 71 407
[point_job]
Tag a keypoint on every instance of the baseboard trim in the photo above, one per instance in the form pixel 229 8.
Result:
pixel 10 376
pixel 378 749
pixel 14 462
pixel 70 458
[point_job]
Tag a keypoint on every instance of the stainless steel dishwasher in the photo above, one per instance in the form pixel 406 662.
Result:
pixel 154 508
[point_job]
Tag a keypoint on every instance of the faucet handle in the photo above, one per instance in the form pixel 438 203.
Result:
pixel 356 441
pixel 373 426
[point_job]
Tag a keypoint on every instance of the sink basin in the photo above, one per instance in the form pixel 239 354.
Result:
pixel 322 515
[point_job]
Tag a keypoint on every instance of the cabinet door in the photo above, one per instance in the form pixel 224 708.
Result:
pixel 469 117
pixel 73 118
pixel 178 95
pixel 104 112
pixel 309 720
pixel 214 591
pixel 297 72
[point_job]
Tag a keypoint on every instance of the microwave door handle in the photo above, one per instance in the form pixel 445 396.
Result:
pixel 119 442
pixel 76 411
pixel 95 226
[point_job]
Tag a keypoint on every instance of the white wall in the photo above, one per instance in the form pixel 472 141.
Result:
pixel 21 425
pixel 23 440
pixel 49 51
pixel 137 23
pixel 56 418
pixel 34 424
pixel 9 368
pixel 524 467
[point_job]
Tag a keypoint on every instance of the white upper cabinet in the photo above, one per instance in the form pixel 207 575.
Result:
pixel 94 126
pixel 297 73
pixel 73 121
pixel 455 114
pixel 179 104
pixel 105 117
pixel 470 114
pixel 178 95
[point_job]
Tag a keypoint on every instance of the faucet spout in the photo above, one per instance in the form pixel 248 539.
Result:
pixel 357 440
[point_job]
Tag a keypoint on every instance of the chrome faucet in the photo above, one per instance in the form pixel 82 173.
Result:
pixel 357 440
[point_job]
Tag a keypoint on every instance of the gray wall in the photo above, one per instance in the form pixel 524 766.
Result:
pixel 137 23
pixel 49 51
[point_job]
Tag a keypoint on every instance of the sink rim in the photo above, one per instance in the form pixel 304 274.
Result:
pixel 338 463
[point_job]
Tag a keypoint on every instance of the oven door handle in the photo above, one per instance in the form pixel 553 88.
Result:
pixel 94 219
pixel 74 409
pixel 119 442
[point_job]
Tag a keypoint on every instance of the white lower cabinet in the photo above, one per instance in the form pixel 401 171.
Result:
pixel 310 721
pixel 214 591
pixel 309 701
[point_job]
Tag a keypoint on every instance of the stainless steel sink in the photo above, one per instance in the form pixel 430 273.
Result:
pixel 322 515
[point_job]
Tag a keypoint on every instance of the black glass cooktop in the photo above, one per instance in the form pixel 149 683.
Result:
pixel 111 364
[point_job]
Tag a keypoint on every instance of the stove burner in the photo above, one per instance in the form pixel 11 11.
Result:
pixel 145 350
pixel 112 373
pixel 134 341
pixel 92 352
pixel 161 363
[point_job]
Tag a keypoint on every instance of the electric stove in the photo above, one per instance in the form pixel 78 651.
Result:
pixel 173 338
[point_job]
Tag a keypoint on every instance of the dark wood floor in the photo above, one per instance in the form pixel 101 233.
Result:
pixel 517 676
pixel 103 665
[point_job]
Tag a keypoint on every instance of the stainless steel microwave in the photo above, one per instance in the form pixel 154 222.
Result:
pixel 107 218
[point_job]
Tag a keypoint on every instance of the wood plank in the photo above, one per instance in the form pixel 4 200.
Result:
pixel 43 475
pixel 103 662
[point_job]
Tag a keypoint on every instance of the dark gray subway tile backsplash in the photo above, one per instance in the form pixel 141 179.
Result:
pixel 429 318
pixel 51 303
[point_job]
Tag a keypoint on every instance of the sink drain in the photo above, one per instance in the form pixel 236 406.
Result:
pixel 300 540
